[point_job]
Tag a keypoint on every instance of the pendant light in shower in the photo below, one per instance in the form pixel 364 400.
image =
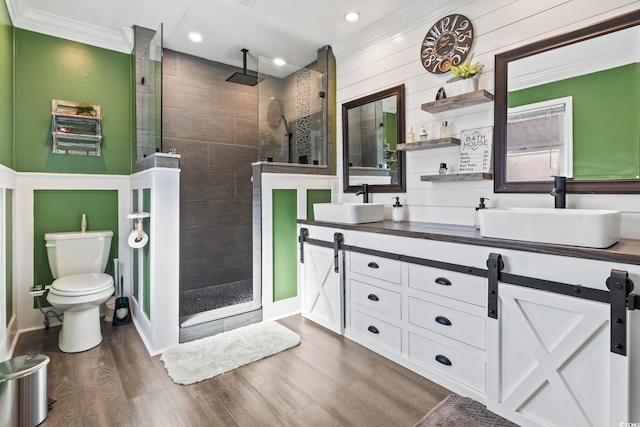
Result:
pixel 243 78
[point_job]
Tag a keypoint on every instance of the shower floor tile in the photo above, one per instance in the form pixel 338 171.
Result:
pixel 213 297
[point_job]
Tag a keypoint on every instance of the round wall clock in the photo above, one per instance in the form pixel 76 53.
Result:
pixel 447 43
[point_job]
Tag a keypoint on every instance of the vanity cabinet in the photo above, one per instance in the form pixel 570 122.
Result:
pixel 321 288
pixel 531 341
pixel 375 300
pixel 550 362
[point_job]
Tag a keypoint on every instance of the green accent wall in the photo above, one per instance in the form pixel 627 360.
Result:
pixel 9 253
pixel 285 258
pixel 61 210
pixel 49 68
pixel 316 196
pixel 606 127
pixel 146 255
pixel 6 87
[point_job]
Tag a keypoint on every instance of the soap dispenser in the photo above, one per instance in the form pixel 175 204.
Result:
pixel 397 211
pixel 480 206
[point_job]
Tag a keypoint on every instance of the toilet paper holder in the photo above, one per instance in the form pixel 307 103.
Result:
pixel 138 217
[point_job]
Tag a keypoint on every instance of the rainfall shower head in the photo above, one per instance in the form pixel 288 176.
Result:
pixel 243 78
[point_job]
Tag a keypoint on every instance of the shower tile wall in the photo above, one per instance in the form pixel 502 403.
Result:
pixel 213 124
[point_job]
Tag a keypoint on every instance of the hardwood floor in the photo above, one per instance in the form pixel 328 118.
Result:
pixel 327 380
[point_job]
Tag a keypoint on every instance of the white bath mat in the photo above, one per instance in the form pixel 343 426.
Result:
pixel 202 359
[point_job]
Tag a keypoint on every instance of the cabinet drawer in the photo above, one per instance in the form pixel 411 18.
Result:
pixel 451 284
pixel 454 324
pixel 376 330
pixel 375 298
pixel 447 361
pixel 378 267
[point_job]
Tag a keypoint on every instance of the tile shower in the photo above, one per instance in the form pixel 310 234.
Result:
pixel 214 125
pixel 219 129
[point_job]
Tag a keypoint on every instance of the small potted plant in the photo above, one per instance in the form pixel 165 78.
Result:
pixel 466 74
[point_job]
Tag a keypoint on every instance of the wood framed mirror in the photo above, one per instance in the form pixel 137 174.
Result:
pixel 372 128
pixel 599 68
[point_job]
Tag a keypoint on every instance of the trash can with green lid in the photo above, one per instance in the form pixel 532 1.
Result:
pixel 23 390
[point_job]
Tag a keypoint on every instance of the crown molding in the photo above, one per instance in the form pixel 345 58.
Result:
pixel 57 26
pixel 421 14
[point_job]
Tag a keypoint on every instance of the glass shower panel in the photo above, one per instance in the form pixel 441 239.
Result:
pixel 149 127
pixel 290 114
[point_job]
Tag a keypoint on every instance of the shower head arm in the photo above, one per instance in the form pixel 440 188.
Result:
pixel 244 60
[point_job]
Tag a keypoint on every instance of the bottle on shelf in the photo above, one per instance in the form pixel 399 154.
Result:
pixel 411 137
pixel 444 130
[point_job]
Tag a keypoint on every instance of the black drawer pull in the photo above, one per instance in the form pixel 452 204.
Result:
pixel 443 359
pixel 373 297
pixel 373 330
pixel 373 265
pixel 443 321
pixel 443 281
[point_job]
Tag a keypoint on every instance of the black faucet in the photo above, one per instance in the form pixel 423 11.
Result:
pixel 559 191
pixel 364 192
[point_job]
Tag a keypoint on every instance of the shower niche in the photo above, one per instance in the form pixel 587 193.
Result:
pixel 291 114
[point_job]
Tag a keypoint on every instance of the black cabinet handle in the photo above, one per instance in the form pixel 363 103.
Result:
pixel 373 330
pixel 443 359
pixel 373 297
pixel 373 265
pixel 443 321
pixel 443 281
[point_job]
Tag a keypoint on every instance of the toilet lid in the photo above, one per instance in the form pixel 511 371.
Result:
pixel 81 284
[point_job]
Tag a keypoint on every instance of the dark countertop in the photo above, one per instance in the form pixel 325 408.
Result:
pixel 626 251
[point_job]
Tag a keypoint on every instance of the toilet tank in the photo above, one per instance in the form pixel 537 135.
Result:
pixel 75 252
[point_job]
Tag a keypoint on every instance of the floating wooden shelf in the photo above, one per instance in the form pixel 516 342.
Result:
pixel 460 101
pixel 457 177
pixel 426 145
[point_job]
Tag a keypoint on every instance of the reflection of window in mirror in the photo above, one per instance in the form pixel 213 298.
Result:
pixel 540 140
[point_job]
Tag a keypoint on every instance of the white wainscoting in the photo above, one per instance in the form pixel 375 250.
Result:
pixel 270 181
pixel 8 327
pixel 161 331
pixel 26 183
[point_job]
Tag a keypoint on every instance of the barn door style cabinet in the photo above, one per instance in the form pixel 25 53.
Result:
pixel 541 339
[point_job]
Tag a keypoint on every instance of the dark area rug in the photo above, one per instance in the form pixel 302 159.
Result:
pixel 458 411
pixel 218 296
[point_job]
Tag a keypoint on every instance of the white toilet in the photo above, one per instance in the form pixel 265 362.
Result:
pixel 77 261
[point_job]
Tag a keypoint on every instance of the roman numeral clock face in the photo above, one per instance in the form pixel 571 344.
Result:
pixel 447 43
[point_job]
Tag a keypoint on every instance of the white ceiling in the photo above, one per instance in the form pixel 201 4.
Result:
pixel 291 29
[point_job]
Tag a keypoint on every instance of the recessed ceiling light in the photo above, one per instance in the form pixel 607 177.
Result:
pixel 352 16
pixel 195 37
pixel 279 61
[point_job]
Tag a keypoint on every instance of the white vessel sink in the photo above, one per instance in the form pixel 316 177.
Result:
pixel 589 228
pixel 348 213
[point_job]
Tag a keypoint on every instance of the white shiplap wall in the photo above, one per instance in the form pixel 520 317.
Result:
pixel 387 54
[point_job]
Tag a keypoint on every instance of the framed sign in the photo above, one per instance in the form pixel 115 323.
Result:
pixel 475 150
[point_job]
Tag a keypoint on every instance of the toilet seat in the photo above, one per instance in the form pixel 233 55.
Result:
pixel 81 284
